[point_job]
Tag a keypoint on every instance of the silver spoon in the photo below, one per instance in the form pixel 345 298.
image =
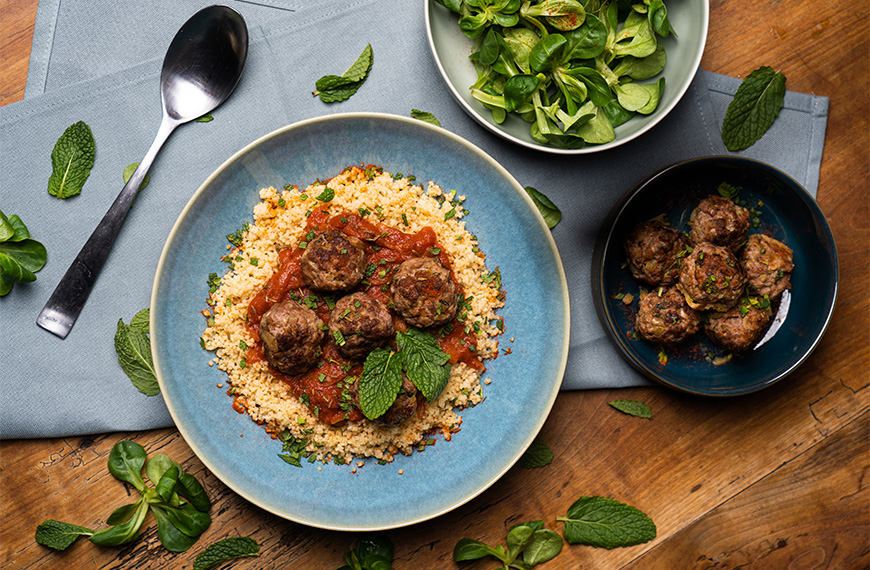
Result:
pixel 201 68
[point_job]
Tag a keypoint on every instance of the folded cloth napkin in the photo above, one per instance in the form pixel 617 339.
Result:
pixel 53 387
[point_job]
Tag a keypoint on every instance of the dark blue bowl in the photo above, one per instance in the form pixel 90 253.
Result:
pixel 788 213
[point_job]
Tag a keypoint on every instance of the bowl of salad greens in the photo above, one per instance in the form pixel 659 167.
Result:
pixel 567 76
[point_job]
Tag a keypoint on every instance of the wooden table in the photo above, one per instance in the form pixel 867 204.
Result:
pixel 774 480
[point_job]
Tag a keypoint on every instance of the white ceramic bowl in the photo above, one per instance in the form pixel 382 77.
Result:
pixel 451 49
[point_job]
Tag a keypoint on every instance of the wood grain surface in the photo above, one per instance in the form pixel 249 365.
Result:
pixel 773 480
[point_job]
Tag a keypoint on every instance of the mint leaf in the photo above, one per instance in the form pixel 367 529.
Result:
pixel 59 535
pixel 632 408
pixel 379 382
pixel 425 116
pixel 224 550
pixel 128 172
pixel 71 161
pixel 134 355
pixel 537 455
pixel 334 88
pixel 424 361
pixel 551 213
pixel 754 108
pixel 607 523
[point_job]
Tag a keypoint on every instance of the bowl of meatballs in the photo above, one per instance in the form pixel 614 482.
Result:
pixel 715 276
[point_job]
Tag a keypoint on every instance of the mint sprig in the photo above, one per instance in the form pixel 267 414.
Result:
pixel 71 161
pixel 537 455
pixel 754 108
pixel 607 523
pixel 420 358
pixel 334 88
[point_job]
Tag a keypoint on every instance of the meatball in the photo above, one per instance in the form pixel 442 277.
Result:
pixel 665 317
pixel 739 327
pixel 333 261
pixel 719 220
pixel 291 336
pixel 404 406
pixel 423 292
pixel 655 252
pixel 360 323
pixel 711 278
pixel 768 266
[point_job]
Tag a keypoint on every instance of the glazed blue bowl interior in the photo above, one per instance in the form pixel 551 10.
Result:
pixel 493 434
pixel 788 213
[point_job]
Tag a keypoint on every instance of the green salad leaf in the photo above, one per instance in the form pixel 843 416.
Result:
pixel 20 255
pixel 528 542
pixel 71 161
pixel 179 523
pixel 225 550
pixel 607 523
pixel 551 213
pixel 133 346
pixel 754 108
pixel 334 88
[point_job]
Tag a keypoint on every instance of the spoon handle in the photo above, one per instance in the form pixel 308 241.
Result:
pixel 63 307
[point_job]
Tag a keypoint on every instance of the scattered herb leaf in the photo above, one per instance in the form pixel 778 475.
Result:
pixel 133 346
pixel 59 535
pixel 551 213
pixel 754 108
pixel 334 88
pixel 632 408
pixel 537 455
pixel 372 552
pixel 607 523
pixel 128 172
pixel 225 550
pixel 207 118
pixel 425 116
pixel 528 541
pixel 71 161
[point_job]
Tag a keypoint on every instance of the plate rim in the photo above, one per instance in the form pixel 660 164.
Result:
pixel 589 149
pixel 439 131
pixel 605 239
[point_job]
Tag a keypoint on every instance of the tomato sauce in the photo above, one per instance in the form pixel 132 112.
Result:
pixel 324 388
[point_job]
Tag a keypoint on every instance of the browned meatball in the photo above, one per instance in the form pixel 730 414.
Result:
pixel 360 323
pixel 423 292
pixel 718 220
pixel 655 252
pixel 768 266
pixel 404 406
pixel 291 336
pixel 739 327
pixel 333 261
pixel 665 317
pixel 711 278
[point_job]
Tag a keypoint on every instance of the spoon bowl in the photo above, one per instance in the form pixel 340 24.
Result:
pixel 200 70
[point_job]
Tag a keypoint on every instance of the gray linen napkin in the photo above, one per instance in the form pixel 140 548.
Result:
pixel 56 387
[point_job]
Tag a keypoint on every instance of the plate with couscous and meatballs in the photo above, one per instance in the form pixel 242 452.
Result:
pixel 716 276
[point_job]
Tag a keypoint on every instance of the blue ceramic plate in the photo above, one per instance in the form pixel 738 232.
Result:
pixel 494 434
pixel 788 213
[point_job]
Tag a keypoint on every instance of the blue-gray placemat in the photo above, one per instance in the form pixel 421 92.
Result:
pixel 55 387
